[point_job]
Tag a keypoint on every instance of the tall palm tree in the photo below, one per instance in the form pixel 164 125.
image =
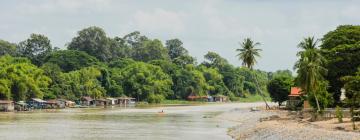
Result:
pixel 310 67
pixel 248 52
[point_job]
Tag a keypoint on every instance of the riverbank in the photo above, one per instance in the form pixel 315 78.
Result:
pixel 276 125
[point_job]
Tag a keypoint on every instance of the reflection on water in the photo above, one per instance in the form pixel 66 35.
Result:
pixel 195 122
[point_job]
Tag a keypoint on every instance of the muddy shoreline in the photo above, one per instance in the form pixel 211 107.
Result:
pixel 275 124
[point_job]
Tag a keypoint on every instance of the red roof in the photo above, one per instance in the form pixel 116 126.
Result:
pixel 295 91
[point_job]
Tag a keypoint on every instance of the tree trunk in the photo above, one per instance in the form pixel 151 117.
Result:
pixel 317 103
pixel 262 96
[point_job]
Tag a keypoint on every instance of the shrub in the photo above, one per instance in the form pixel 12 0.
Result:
pixel 339 114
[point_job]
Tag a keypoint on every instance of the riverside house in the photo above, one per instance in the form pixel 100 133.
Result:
pixel 295 100
pixel 37 103
pixel 112 101
pixel 220 98
pixel 125 100
pixel 6 105
pixel 86 101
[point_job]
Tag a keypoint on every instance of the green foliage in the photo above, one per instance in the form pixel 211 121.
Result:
pixel 352 88
pixel 140 80
pixel 21 80
pixel 189 81
pixel 341 48
pixel 69 60
pixel 233 80
pixel 214 60
pixel 150 50
pixel 311 72
pixel 215 81
pixel 121 63
pixel 155 98
pixel 248 52
pixel 83 82
pixel 7 48
pixel 324 98
pixel 184 60
pixel 35 48
pixel 279 73
pixel 92 40
pixel 339 114
pixel 279 88
pixel 175 48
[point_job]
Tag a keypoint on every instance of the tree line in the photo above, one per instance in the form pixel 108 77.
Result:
pixel 324 67
pixel 94 64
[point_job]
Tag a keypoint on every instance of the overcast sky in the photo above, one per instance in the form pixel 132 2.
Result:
pixel 203 26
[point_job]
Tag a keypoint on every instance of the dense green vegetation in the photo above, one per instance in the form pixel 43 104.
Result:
pixel 99 66
pixel 322 72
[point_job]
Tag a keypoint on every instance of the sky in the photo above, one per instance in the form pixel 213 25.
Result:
pixel 202 25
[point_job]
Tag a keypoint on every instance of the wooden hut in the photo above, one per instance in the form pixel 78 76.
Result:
pixel 101 102
pixel 125 100
pixel 51 104
pixel 112 101
pixel 21 106
pixel 220 98
pixel 295 98
pixel 6 105
pixel 86 101
pixel 37 103
pixel 69 103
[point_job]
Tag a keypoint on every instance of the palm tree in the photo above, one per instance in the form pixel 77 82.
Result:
pixel 310 67
pixel 248 52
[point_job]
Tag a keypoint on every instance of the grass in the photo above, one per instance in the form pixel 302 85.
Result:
pixel 253 98
pixel 174 102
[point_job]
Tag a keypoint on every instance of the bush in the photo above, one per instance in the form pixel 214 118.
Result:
pixel 339 114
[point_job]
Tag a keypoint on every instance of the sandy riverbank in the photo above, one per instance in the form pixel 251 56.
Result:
pixel 248 126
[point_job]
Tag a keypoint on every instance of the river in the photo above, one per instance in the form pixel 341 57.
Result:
pixel 176 123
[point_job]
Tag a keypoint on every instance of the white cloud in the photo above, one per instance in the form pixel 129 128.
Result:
pixel 159 20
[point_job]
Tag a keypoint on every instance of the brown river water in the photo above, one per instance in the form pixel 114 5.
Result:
pixel 176 123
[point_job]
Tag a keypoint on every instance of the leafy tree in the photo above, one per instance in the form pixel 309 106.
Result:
pixel 7 48
pixel 69 60
pixel 84 82
pixel 189 81
pixel 286 73
pixel 35 48
pixel 310 68
pixel 248 52
pixel 352 88
pixel 92 40
pixel 341 49
pixel 233 80
pixel 150 50
pixel 140 80
pixel 214 60
pixel 121 63
pixel 184 60
pixel 279 88
pixel 215 81
pixel 134 39
pixel 119 48
pixel 54 72
pixel 21 80
pixel 175 48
